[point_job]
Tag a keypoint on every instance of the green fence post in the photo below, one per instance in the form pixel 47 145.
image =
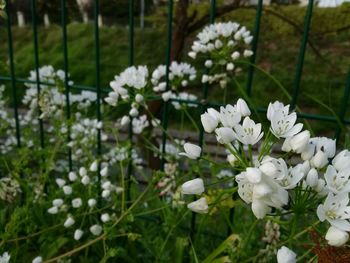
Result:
pixel 66 80
pixel 36 60
pixel 98 84
pixel 12 73
pixel 130 131
pixel 167 63
pixel 251 69
pixel 300 62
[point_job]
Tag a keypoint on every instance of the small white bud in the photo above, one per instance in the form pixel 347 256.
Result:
pixel 67 190
pixel 77 202
pixel 96 230
pixel 94 166
pixel 78 234
pixel 208 63
pixel 105 218
pixel 104 171
pixel 69 222
pixel 91 202
pixel 85 180
pixel 72 176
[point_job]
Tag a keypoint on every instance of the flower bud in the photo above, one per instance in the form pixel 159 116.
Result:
pixel 243 108
pixel 104 171
pixel 57 202
pixel 208 63
pixel 199 206
pixel 72 176
pixel 286 146
pixel 192 151
pixel 167 95
pixel 336 237
pixel 205 78
pixel 300 141
pixel 105 217
pixel 94 166
pixel 69 222
pixel 312 178
pixel 225 135
pixel 139 98
pixel 319 160
pixel 125 120
pixel 96 230
pixel 37 260
pixel 320 185
pixel 67 190
pixel 91 202
pixel 235 55
pixel 308 152
pixel 209 122
pixel 77 202
pixel 192 54
pixel 82 171
pixel 133 112
pixel 247 53
pixel 60 182
pixel 342 160
pixel 218 44
pixel 230 66
pixel 193 187
pixel 85 180
pixel 78 234
pixel 53 210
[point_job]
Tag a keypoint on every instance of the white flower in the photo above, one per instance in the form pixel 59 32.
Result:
pixel 230 66
pixel 328 146
pixel 283 125
pixel 82 171
pixel 91 202
pixel 57 202
pixel 60 182
pixel 335 211
pixel 139 98
pixel 53 210
pixel 69 222
pixel 285 255
pixel 235 55
pixel 133 112
pixel 167 95
pixel 192 54
pixel 300 141
pixel 96 230
pixel 199 206
pixel 342 160
pixel 192 151
pixel 94 166
pixel 229 116
pixel 85 180
pixel 37 260
pixel 312 178
pixel 106 193
pixel 105 217
pixel 209 122
pixel 78 233
pixel 337 182
pixel 72 176
pixel 77 202
pixel 247 53
pixel 253 175
pixel 67 190
pixel 319 160
pixel 260 209
pixel 125 120
pixel 193 187
pixel 336 237
pixel 5 258
pixel 243 108
pixel 208 63
pixel 249 132
pixel 274 168
pixel 276 106
pixel 293 177
pixel 225 135
pixel 104 172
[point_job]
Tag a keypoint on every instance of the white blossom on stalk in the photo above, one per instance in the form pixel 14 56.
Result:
pixel 77 202
pixel 94 166
pixel 72 176
pixel 209 122
pixel 248 133
pixel 96 230
pixel 193 187
pixel 298 142
pixel 225 135
pixel 283 125
pixel 105 217
pixel 336 237
pixel 326 145
pixel 192 151
pixel 312 178
pixel 285 255
pixel 199 206
pixel 78 233
pixel 274 107
pixel 60 182
pixel 342 160
pixel 336 211
pixel 125 120
pixel 104 171
pixel 337 182
pixel 92 202
pixel 58 202
pixel 293 177
pixel 242 108
pixel 69 222
pixel 229 116
pixel 52 210
pixel 320 160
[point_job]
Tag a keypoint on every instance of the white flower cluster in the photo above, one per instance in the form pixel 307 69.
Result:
pixel 268 182
pixel 180 74
pixel 129 86
pixel 5 258
pixel 77 195
pixel 221 45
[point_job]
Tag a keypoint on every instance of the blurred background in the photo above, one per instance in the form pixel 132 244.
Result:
pixel 327 59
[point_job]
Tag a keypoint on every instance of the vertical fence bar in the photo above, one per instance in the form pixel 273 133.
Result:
pixel 66 80
pixel 36 60
pixel 168 61
pixel 203 107
pixel 300 62
pixel 254 46
pixel 12 73
pixel 344 105
pixel 98 81
pixel 130 132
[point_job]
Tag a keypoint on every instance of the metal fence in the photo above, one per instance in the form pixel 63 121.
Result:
pixel 204 101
